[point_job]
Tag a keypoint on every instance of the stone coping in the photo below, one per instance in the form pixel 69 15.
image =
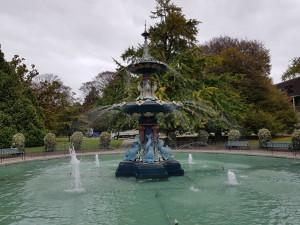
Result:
pixel 63 154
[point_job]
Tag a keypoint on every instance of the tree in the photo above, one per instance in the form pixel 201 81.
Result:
pixel 249 61
pixel 18 111
pixel 217 81
pixel 57 101
pixel 173 33
pixel 25 75
pixel 293 69
pixel 91 99
pixel 98 83
pixel 173 40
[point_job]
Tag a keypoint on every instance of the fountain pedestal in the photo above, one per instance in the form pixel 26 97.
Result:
pixel 148 159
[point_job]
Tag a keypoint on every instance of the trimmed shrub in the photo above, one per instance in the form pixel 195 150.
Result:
pixel 296 140
pixel 50 142
pixel 77 140
pixel 203 137
pixel 264 135
pixel 105 140
pixel 234 135
pixel 18 141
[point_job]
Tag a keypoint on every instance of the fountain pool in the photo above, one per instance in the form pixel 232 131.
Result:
pixel 268 192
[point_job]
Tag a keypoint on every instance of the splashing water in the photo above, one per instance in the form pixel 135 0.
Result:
pixel 97 161
pixel 75 174
pixel 191 159
pixel 192 188
pixel 231 178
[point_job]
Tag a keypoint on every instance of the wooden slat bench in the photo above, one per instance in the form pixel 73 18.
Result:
pixel 236 144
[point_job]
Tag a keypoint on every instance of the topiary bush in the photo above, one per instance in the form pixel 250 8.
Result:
pixel 264 135
pixel 296 140
pixel 50 142
pixel 203 137
pixel 105 139
pixel 18 141
pixel 234 135
pixel 77 140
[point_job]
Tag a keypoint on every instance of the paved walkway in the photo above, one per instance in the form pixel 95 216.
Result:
pixel 61 154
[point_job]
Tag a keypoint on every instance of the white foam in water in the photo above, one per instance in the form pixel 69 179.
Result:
pixel 191 159
pixel 231 178
pixel 75 174
pixel 97 161
pixel 192 188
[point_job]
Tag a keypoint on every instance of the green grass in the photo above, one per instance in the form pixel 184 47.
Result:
pixel 254 143
pixel 282 139
pixel 63 143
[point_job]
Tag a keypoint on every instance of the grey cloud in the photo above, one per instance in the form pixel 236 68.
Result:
pixel 79 38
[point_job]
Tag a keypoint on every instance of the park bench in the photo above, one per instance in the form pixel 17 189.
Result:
pixel 236 144
pixel 273 145
pixel 10 152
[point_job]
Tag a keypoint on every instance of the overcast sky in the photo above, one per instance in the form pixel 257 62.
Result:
pixel 77 39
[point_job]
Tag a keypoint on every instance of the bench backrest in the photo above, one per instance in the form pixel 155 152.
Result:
pixel 276 145
pixel 237 143
pixel 5 151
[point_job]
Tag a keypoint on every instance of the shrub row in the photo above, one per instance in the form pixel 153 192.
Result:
pixel 18 141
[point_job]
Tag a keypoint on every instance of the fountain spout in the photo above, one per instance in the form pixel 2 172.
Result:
pixel 231 178
pixel 75 174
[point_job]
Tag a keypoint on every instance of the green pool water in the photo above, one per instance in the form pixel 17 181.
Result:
pixel 268 193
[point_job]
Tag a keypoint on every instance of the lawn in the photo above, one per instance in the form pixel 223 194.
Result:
pixel 63 143
pixel 254 143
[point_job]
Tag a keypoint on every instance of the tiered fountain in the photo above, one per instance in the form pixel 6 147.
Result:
pixel 148 158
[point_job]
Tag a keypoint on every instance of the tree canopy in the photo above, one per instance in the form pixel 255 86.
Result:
pixel 19 112
pixel 293 69
pixel 229 76
pixel 249 61
pixel 222 84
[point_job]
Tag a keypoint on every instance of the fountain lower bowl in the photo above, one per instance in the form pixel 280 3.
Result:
pixel 158 170
pixel 268 192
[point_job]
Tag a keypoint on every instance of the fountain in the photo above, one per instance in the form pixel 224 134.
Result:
pixel 33 193
pixel 148 158
pixel 190 161
pixel 231 178
pixel 97 160
pixel 75 174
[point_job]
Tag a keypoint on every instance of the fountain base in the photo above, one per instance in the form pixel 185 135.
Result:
pixel 159 170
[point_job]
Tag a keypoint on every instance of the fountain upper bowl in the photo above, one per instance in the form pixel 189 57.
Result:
pixel 146 67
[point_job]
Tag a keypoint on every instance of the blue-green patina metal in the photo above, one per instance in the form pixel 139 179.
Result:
pixel 148 157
